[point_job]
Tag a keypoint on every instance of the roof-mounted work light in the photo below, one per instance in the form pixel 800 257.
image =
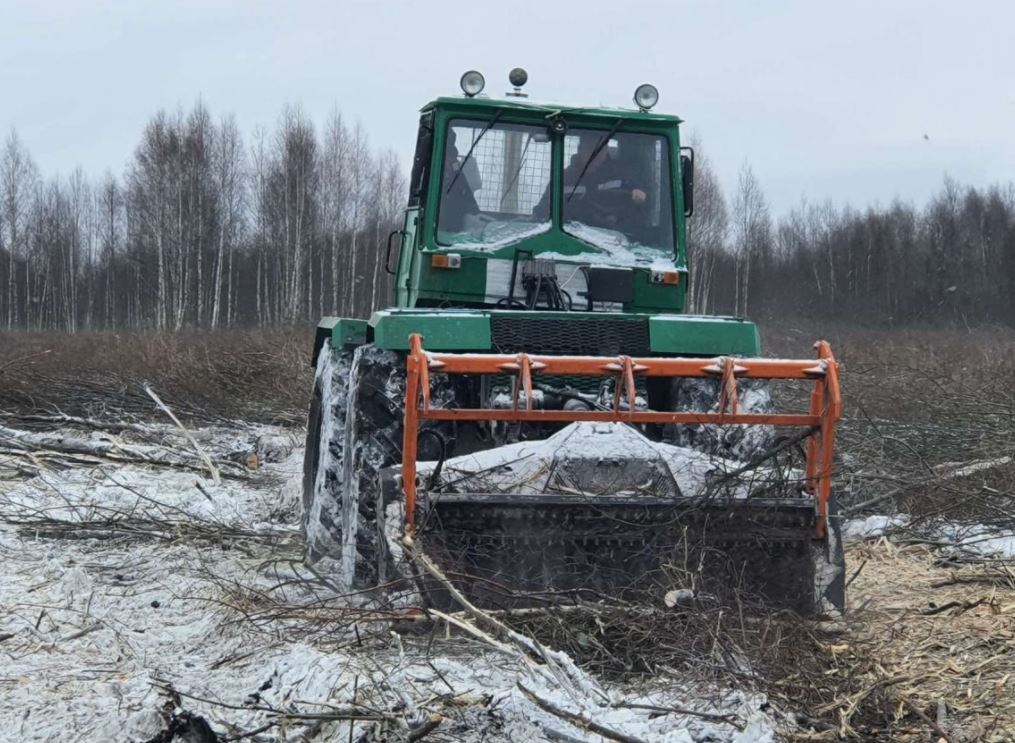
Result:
pixel 472 83
pixel 646 96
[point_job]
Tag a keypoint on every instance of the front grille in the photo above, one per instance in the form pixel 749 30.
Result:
pixel 570 336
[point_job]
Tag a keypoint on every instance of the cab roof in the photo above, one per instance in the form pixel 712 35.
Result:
pixel 527 105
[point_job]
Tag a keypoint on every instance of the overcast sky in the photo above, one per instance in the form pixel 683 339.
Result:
pixel 855 101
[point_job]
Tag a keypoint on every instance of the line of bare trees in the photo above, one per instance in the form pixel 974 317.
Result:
pixel 203 230
pixel 952 261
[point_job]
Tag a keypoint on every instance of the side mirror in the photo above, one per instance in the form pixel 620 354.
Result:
pixel 391 245
pixel 420 176
pixel 687 179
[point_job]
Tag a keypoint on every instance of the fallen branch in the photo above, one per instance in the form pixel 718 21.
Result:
pixel 560 669
pixel 418 733
pixel 710 716
pixel 953 474
pixel 579 720
pixel 22 359
pixel 926 718
pixel 962 606
pixel 62 419
pixel 215 476
pixel 62 448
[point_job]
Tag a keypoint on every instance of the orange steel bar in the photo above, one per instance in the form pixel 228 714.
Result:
pixel 415 367
pixel 832 411
pixel 597 366
pixel 623 415
pixel 825 407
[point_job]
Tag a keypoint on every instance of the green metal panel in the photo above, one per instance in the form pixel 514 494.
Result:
pixel 348 332
pixel 469 282
pixel 448 330
pixel 463 284
pixel 469 330
pixel 699 335
pixel 654 297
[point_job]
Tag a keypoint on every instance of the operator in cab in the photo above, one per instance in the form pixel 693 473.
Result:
pixel 458 188
pixel 604 185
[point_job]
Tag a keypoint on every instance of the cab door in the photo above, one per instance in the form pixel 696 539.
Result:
pixel 419 180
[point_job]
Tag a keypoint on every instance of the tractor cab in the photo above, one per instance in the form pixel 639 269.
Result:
pixel 587 204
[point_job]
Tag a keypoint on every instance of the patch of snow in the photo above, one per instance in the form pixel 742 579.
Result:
pixel 979 539
pixel 100 621
pixel 493 235
pixel 621 250
pixel 871 526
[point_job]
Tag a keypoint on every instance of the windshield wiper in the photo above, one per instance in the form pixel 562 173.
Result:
pixel 468 154
pixel 595 153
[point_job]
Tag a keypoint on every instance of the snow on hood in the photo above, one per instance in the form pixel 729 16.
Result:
pixel 497 234
pixel 621 250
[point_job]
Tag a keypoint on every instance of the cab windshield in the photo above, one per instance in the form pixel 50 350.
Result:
pixel 617 193
pixel 492 184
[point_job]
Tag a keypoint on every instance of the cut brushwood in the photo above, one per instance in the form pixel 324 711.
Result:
pixel 58 447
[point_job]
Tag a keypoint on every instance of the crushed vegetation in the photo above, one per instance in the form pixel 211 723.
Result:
pixel 141 599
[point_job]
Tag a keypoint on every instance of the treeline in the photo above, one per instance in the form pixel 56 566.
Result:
pixel 206 230
pixel 952 261
pixel 202 230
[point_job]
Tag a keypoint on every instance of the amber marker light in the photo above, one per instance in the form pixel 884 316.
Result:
pixel 666 277
pixel 446 260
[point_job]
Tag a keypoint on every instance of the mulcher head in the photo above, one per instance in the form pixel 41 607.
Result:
pixel 599 509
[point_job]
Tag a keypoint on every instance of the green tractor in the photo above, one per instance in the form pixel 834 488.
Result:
pixel 538 413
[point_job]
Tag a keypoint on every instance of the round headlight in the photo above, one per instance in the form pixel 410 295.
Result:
pixel 472 83
pixel 646 96
pixel 518 77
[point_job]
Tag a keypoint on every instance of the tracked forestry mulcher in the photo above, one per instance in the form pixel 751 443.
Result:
pixel 538 413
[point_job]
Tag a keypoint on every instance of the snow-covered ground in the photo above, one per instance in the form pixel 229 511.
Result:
pixel 122 584
pixel 973 538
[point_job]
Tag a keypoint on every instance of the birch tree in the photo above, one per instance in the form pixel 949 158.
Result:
pixel 751 233
pixel 18 183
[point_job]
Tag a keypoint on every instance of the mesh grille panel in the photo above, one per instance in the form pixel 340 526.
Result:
pixel 574 337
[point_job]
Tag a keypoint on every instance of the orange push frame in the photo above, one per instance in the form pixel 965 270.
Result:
pixel 825 405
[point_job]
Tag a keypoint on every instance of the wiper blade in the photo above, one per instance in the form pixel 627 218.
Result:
pixel 468 154
pixel 595 153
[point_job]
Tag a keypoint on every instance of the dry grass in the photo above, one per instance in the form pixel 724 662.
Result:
pixel 915 403
pixel 919 404
pixel 259 375
pixel 930 638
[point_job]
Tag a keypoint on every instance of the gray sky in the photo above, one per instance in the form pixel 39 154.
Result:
pixel 825 99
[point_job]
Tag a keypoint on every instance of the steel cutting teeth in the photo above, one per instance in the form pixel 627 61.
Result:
pixel 619 548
